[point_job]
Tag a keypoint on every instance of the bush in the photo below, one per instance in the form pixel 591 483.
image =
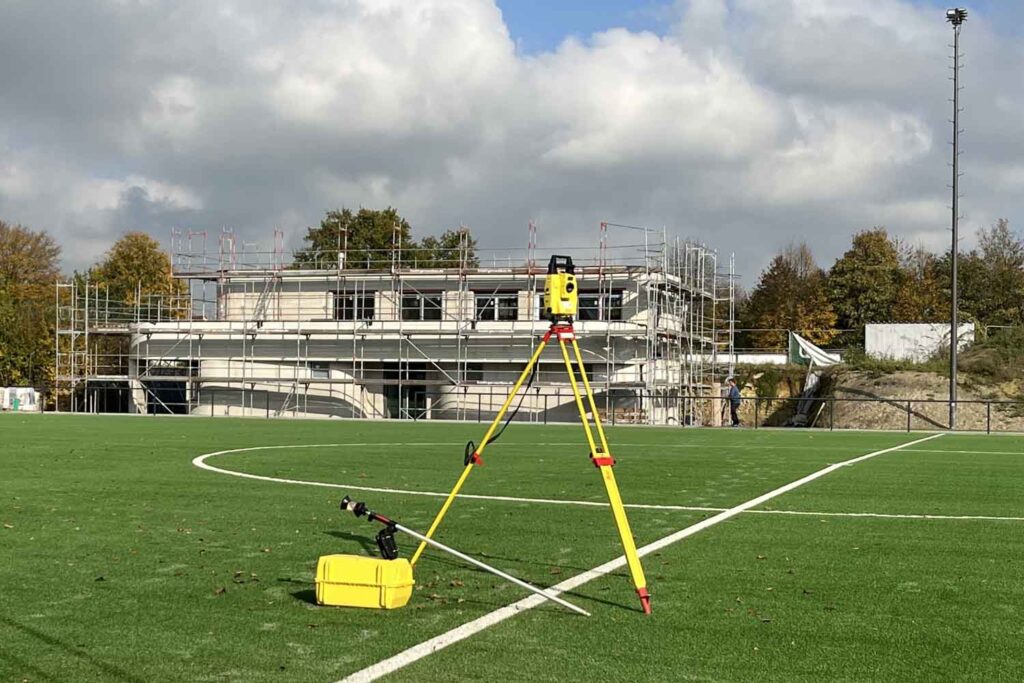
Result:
pixel 856 359
pixel 999 358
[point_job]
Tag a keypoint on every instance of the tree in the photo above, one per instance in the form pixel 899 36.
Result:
pixel 136 271
pixel 1002 253
pixel 922 296
pixel 790 295
pixel 366 238
pixel 453 249
pixel 29 267
pixel 863 284
pixel 990 278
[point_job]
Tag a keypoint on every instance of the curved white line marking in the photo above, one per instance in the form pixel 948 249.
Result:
pixel 200 462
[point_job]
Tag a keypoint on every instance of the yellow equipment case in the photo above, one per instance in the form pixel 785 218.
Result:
pixel 355 581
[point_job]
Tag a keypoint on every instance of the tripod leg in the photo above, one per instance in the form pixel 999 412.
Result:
pixel 480 449
pixel 603 460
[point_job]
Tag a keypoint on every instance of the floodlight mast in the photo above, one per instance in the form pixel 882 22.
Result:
pixel 955 16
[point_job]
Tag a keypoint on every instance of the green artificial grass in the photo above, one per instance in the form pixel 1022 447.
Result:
pixel 123 562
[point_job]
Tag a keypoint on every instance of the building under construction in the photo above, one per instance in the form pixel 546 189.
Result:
pixel 396 334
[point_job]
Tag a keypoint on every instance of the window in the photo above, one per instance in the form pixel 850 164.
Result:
pixel 593 306
pixel 421 307
pixel 497 307
pixel 318 370
pixel 353 307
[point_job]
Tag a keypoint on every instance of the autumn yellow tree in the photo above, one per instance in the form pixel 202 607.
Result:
pixel 921 294
pixel 137 272
pixel 790 295
pixel 29 267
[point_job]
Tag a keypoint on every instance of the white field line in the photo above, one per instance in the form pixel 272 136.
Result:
pixel 885 515
pixel 200 461
pixel 428 647
pixel 939 450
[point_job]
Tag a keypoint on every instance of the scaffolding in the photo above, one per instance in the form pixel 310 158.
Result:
pixel 402 332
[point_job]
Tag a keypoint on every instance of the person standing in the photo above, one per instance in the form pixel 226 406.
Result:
pixel 734 401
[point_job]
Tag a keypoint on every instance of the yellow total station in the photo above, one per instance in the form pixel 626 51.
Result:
pixel 560 294
pixel 560 302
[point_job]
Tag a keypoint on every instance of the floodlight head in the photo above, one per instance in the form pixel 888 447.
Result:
pixel 956 16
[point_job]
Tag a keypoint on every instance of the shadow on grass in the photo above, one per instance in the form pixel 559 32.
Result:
pixel 433 557
pixel 110 671
pixel 369 545
pixel 25 667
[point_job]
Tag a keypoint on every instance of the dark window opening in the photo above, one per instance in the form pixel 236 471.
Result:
pixel 353 307
pixel 421 307
pixel 497 307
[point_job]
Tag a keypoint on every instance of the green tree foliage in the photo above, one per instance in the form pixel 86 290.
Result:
pixel 990 277
pixel 29 267
pixel 864 283
pixel 1002 253
pixel 136 271
pixel 366 237
pixel 453 249
pixel 790 295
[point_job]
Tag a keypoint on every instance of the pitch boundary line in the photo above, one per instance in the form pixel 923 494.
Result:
pixel 939 450
pixel 432 645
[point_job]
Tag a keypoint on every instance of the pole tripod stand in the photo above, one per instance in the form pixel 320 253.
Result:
pixel 600 454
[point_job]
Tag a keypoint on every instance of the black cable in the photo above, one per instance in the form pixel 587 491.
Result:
pixel 471 447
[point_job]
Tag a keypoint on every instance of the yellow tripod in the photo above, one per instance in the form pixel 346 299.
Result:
pixel 600 455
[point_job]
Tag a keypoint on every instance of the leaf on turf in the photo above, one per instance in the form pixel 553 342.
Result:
pixel 100 578
pixel 456 583
pixel 8 526
pixel 555 570
pixel 220 591
pixel 762 557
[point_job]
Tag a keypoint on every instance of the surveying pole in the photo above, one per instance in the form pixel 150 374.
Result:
pixel 560 305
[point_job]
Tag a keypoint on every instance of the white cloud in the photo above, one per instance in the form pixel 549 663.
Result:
pixel 747 123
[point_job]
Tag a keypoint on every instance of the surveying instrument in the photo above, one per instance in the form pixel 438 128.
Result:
pixel 561 298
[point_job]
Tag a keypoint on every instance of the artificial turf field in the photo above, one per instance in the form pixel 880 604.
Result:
pixel 121 561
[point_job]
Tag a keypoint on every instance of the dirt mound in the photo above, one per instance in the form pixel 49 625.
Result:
pixel 873 400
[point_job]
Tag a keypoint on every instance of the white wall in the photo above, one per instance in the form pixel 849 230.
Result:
pixel 28 400
pixel 912 341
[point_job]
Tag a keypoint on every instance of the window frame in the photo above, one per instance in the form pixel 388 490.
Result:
pixel 360 306
pixel 421 308
pixel 494 311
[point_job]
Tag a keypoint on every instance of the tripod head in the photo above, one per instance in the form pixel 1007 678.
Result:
pixel 560 294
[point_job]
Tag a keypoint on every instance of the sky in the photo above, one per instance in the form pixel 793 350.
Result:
pixel 744 124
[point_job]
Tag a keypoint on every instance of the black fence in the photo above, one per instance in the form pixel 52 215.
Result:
pixel 556 405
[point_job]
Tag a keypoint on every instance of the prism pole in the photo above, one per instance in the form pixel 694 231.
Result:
pixel 359 509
